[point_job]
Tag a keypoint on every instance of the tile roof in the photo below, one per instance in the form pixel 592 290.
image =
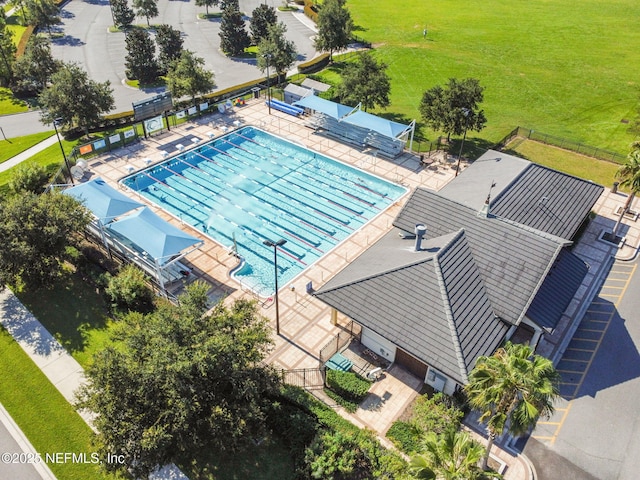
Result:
pixel 558 289
pixel 512 259
pixel 524 192
pixel 432 303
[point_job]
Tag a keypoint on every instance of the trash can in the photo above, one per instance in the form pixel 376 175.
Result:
pixel 256 92
pixel 614 189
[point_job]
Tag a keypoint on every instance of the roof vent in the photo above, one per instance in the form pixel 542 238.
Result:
pixel 421 231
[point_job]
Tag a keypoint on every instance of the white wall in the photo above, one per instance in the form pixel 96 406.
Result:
pixel 378 345
pixel 449 386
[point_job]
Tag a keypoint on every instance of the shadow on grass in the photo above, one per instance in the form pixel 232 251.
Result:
pixel 70 310
pixel 270 460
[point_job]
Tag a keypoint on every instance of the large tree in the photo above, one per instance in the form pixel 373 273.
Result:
pixel 74 98
pixel 35 231
pixel 334 25
pixel 454 109
pixel 233 35
pixel 180 381
pixel 276 51
pixel 451 455
pixel 629 176
pixel 34 69
pixel 512 389
pixel 169 42
pixel 261 18
pixel 43 13
pixel 123 14
pixel 146 8
pixel 187 76
pixel 140 62
pixel 7 54
pixel 365 81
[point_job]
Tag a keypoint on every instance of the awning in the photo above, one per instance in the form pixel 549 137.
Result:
pixel 377 124
pixel 151 234
pixel 332 109
pixel 104 201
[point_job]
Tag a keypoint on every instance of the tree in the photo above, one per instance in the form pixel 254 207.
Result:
pixel 187 76
pixel 169 42
pixel 29 177
pixel 34 69
pixel 276 51
pixel 180 381
pixel 7 54
pixel 75 99
pixel 146 8
pixel 334 25
pixel 207 4
pixel 512 387
pixel 233 36
pixel 43 13
pixel 140 62
pixel 365 81
pixel 452 455
pixel 454 109
pixel 130 289
pixel 629 176
pixel 35 231
pixel 123 14
pixel 261 18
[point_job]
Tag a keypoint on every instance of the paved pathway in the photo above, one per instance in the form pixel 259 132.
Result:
pixel 28 153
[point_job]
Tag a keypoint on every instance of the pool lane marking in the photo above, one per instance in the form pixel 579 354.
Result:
pixel 559 428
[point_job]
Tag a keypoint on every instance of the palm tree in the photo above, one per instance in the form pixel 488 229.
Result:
pixel 453 455
pixel 512 389
pixel 629 176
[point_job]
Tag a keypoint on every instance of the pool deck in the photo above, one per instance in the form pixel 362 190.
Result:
pixel 305 325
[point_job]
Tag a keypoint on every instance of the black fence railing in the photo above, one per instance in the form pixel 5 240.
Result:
pixel 309 378
pixel 560 142
pixel 337 343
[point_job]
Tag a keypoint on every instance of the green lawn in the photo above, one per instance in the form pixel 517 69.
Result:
pixel 598 171
pixel 43 414
pixel 9 104
pixel 13 146
pixel 561 67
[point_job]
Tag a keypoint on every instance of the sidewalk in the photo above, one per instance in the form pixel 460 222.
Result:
pixel 64 372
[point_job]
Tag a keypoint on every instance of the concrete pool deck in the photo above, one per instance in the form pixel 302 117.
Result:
pixel 305 324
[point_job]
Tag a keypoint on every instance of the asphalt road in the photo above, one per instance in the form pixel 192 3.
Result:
pixel 595 432
pixel 14 471
pixel 86 40
pixel 20 124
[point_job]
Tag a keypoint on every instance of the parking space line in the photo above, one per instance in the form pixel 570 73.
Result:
pixel 628 282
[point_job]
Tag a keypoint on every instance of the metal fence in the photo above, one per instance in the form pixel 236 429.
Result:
pixel 309 378
pixel 351 330
pixel 560 142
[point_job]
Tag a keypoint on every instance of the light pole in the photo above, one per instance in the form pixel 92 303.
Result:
pixel 57 122
pixel 268 57
pixel 4 57
pixel 275 246
pixel 466 112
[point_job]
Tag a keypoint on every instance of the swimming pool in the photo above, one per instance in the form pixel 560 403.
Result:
pixel 249 186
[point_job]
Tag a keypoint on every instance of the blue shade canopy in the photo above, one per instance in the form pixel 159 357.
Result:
pixel 377 124
pixel 332 109
pixel 153 235
pixel 104 201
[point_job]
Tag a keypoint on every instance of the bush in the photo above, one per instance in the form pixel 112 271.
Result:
pixel 436 414
pixel 29 177
pixel 348 385
pixel 294 426
pixel 406 436
pixel 129 289
pixel 349 406
pixel 314 65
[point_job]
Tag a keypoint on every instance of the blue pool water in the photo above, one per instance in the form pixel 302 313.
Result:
pixel 249 186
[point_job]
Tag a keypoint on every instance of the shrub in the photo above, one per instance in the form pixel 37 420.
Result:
pixel 129 289
pixel 406 436
pixel 349 406
pixel 436 414
pixel 315 64
pixel 348 385
pixel 29 177
pixel 295 427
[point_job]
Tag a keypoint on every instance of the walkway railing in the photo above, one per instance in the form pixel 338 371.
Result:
pixel 309 378
pixel 337 343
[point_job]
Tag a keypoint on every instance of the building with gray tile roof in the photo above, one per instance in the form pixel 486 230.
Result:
pixel 474 278
pixel 526 193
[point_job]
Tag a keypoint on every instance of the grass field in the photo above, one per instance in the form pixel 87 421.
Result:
pixel 13 146
pixel 561 67
pixel 43 414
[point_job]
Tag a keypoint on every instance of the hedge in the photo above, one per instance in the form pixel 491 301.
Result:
pixel 406 436
pixel 311 10
pixel 348 385
pixel 315 64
